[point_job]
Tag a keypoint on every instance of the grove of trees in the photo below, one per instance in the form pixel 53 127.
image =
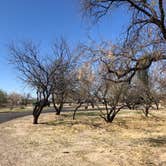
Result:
pixel 116 76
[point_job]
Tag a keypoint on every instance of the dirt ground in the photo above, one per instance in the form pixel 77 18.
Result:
pixel 131 140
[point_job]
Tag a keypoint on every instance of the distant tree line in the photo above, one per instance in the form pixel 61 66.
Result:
pixel 14 99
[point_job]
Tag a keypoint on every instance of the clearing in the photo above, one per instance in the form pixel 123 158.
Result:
pixel 87 141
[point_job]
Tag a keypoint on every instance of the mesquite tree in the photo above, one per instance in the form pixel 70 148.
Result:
pixel 145 40
pixel 82 92
pixel 158 80
pixel 111 95
pixel 14 99
pixel 64 77
pixel 140 93
pixel 35 71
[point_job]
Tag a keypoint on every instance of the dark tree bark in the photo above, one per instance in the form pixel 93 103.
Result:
pixel 57 109
pixel 92 104
pixel 38 109
pixel 147 111
pixel 110 117
pixel 74 113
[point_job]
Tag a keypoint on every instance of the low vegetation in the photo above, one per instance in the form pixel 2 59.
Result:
pixel 58 140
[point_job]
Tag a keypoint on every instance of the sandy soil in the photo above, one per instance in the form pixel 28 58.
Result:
pixel 87 141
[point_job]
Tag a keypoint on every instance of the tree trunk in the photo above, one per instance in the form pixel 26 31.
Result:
pixel 36 113
pixel 35 119
pixel 76 110
pixel 129 106
pixel 146 111
pixel 92 104
pixel 38 109
pixel 110 117
pixel 58 111
pixel 157 105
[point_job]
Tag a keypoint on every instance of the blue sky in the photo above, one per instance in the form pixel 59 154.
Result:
pixel 43 21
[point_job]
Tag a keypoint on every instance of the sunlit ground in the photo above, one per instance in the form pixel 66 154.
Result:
pixel 131 140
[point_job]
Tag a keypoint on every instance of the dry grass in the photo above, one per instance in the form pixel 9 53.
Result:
pixel 16 109
pixel 87 141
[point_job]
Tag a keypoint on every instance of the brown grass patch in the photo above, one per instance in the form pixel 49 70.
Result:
pixel 87 141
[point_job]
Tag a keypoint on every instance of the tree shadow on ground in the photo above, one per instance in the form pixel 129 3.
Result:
pixel 66 119
pixel 159 141
pixel 92 119
pixel 70 124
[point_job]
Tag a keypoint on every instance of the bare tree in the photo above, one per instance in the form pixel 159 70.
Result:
pixel 52 77
pixel 14 99
pixel 158 80
pixel 111 95
pixel 35 72
pixel 64 77
pixel 83 91
pixel 108 94
pixel 145 36
pixel 143 13
pixel 140 93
